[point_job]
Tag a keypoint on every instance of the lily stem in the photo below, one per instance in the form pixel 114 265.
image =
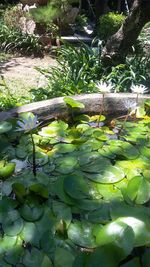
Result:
pixel 33 154
pixel 124 122
pixel 101 111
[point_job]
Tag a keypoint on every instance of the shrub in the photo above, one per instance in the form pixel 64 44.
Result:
pixel 134 71
pixel 15 40
pixel 109 24
pixel 77 69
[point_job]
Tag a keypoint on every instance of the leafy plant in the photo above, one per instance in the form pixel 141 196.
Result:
pixel 15 40
pixel 76 70
pixel 109 24
pixel 134 71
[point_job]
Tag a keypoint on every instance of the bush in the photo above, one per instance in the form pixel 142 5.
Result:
pixel 134 71
pixel 109 24
pixel 77 69
pixel 15 40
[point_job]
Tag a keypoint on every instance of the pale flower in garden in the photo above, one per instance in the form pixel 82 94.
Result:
pixel 28 124
pixel 138 89
pixel 130 105
pixel 104 87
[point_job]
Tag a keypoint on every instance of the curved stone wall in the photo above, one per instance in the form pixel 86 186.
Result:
pixel 56 108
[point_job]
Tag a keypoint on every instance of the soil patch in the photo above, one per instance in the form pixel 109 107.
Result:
pixel 21 75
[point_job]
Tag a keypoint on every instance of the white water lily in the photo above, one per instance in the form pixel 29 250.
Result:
pixel 28 124
pixel 104 87
pixel 139 89
pixel 130 104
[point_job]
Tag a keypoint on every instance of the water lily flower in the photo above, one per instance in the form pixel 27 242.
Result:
pixel 130 104
pixel 104 87
pixel 138 89
pixel 28 124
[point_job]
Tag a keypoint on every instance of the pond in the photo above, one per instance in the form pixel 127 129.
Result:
pixel 75 194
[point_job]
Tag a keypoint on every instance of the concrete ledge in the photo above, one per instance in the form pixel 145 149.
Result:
pixel 56 108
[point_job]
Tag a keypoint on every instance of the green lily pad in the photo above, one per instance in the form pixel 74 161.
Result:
pixel 62 212
pixel 96 118
pixel 19 190
pixel 138 190
pixel 73 103
pixel 63 257
pixel 88 157
pixel 40 158
pixel 33 258
pixel 119 234
pixel 81 233
pixel 141 229
pixel 65 148
pixel 106 256
pixel 6 169
pixel 5 127
pixel 76 187
pixel 39 189
pixel 146 174
pixel 145 151
pixel 88 204
pixel 46 262
pixel 31 212
pixel 30 233
pixel 7 242
pixel 66 164
pixel 21 152
pixel 100 215
pixel 107 175
pixel 60 191
pixel 100 135
pixel 90 145
pixel 13 255
pixel 136 217
pixel 12 224
pixel 56 128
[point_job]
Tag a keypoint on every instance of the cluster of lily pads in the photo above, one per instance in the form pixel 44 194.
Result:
pixel 87 204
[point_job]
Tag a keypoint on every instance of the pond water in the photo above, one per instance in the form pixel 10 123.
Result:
pixel 87 203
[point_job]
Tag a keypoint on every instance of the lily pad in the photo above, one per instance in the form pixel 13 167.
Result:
pixel 6 169
pixel 88 157
pixel 60 191
pixel 40 158
pixel 119 234
pixel 76 187
pixel 33 258
pixel 7 242
pixel 65 148
pixel 107 175
pixel 12 224
pixel 66 164
pixel 138 190
pixel 5 127
pixel 73 103
pixel 63 258
pixel 81 233
pixel 54 129
pixel 31 212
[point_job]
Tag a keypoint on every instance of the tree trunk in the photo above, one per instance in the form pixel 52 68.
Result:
pixel 100 8
pixel 119 45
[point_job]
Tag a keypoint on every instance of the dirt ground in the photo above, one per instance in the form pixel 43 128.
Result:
pixel 21 75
